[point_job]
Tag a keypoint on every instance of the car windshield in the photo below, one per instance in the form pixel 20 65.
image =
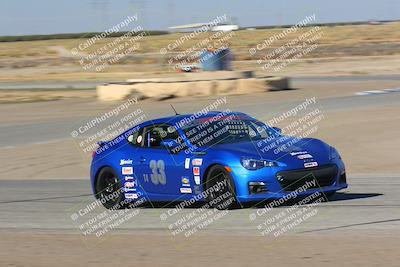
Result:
pixel 208 132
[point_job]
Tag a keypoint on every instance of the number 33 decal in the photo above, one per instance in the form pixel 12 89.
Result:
pixel 158 172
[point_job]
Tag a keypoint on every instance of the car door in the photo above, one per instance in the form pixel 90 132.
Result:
pixel 159 170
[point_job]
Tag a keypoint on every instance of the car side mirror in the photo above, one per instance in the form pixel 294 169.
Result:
pixel 171 144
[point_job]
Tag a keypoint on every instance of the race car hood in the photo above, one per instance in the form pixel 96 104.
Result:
pixel 287 150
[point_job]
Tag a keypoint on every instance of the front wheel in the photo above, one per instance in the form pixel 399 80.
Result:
pixel 109 189
pixel 220 189
pixel 330 196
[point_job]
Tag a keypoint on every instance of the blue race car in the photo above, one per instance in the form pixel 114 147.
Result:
pixel 224 158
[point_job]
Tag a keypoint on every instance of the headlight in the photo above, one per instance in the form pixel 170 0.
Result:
pixel 333 154
pixel 255 164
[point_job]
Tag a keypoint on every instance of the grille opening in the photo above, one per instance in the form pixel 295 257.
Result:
pixel 323 176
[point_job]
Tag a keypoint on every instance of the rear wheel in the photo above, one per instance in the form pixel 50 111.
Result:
pixel 220 188
pixel 109 189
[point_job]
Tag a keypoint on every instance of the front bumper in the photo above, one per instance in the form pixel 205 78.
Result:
pixel 279 183
pixel 278 195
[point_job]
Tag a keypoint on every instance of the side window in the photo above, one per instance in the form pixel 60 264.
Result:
pixel 155 134
pixel 136 138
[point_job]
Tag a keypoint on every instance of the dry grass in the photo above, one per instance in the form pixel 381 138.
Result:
pixel 52 59
pixel 333 36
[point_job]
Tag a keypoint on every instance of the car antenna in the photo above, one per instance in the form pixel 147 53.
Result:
pixel 176 113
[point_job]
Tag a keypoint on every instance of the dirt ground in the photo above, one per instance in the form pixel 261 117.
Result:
pixel 51 249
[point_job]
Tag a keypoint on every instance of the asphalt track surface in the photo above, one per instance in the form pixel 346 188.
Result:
pixel 39 132
pixel 370 204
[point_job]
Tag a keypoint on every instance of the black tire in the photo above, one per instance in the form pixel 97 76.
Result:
pixel 330 196
pixel 220 189
pixel 109 189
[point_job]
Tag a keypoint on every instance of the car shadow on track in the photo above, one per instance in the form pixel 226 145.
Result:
pixel 337 197
pixel 347 196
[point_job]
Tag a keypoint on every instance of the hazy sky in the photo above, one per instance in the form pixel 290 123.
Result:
pixel 62 16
